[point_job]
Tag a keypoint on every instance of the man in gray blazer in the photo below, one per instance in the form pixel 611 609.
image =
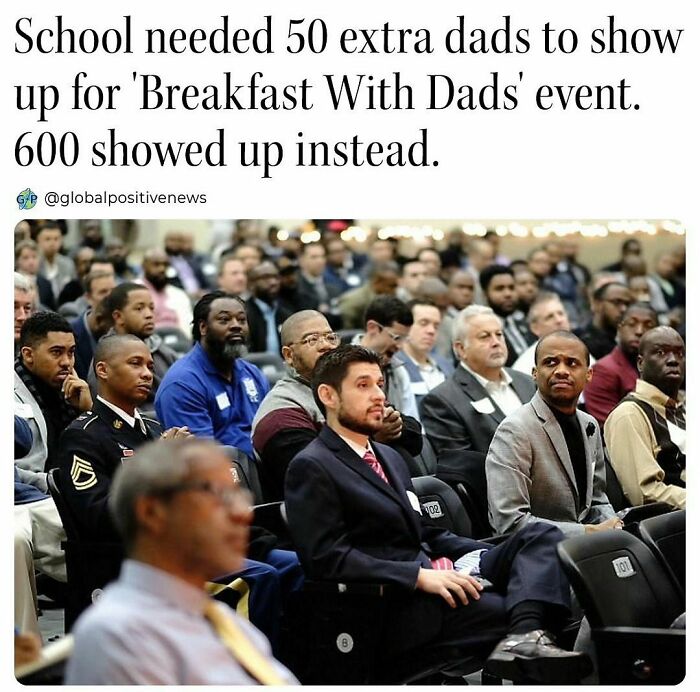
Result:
pixel 464 411
pixel 545 462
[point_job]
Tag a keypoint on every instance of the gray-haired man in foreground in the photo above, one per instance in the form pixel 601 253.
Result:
pixel 184 522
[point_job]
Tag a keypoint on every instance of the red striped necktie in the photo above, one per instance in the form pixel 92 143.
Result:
pixel 374 464
pixel 442 563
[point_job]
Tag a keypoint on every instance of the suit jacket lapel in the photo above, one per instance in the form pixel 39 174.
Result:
pixel 475 392
pixel 523 391
pixel 553 430
pixel 348 457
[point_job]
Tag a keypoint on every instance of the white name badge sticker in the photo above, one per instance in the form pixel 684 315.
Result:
pixel 23 410
pixel 413 499
pixel 222 401
pixel 483 406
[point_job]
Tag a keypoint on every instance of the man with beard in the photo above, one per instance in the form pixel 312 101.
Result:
pixel 609 303
pixel 212 390
pixel 288 418
pixel 130 308
pixel 354 516
pixel 463 412
pixel 526 288
pixel 215 394
pixel 117 253
pixel 172 305
pixel 264 310
pixel 545 462
pixel 616 375
pixel 646 433
pixel 498 284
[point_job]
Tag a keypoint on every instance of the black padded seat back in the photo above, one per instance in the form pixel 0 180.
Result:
pixel 90 565
pixel 613 488
pixel 175 338
pixel 271 365
pixel 665 536
pixel 53 480
pixel 245 472
pixel 619 581
pixel 465 471
pixel 441 505
pixel 347 335
pixel 425 463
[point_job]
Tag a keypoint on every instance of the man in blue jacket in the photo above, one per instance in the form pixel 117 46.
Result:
pixel 212 390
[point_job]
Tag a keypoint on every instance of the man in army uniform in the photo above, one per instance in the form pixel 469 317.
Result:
pixel 96 443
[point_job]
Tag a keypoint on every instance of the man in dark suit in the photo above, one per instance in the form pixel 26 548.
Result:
pixel 463 412
pixel 264 310
pixel 373 529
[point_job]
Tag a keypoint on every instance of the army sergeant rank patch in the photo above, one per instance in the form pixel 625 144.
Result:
pixel 82 474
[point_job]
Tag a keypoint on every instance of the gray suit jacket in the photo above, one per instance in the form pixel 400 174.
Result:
pixel 31 466
pixel 530 476
pixel 450 419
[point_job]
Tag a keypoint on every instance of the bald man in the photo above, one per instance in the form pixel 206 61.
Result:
pixel 98 442
pixel 646 433
pixel 172 306
pixel 288 418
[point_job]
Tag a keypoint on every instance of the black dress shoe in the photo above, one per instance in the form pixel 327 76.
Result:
pixel 534 657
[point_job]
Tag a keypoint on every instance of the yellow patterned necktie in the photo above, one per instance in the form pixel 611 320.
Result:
pixel 243 650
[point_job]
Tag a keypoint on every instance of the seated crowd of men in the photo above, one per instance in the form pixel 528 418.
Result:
pixel 536 365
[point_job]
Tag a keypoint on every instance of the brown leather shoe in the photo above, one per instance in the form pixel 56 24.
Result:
pixel 534 657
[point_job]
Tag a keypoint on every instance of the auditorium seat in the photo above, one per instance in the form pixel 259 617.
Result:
pixel 630 602
pixel 665 536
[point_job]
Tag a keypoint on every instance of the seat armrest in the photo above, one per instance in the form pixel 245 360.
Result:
pixel 351 589
pixel 640 654
pixel 640 512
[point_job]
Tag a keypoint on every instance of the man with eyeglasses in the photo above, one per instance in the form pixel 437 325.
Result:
pixel 288 418
pixel 388 321
pixel 184 523
pixel 609 303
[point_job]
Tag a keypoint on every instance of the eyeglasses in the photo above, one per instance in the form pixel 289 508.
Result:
pixel 313 340
pixel 230 497
pixel 396 338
